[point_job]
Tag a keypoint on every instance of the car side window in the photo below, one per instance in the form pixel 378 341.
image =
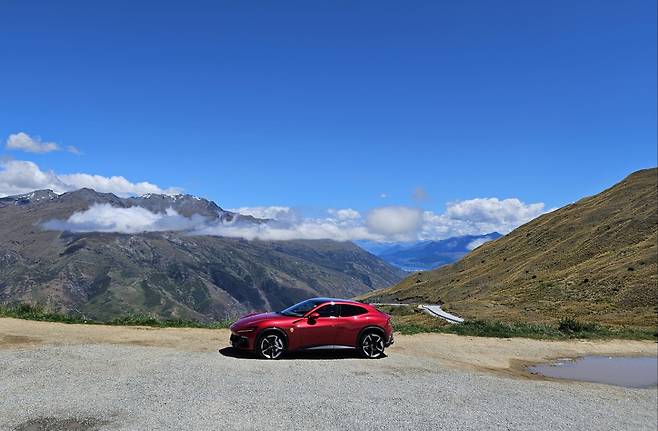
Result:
pixel 330 310
pixel 351 310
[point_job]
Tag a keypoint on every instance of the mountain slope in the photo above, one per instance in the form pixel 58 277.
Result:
pixel 170 274
pixel 595 259
pixel 426 255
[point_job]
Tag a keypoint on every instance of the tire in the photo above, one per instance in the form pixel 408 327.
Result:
pixel 372 344
pixel 270 345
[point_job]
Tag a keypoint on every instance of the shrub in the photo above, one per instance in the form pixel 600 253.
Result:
pixel 150 320
pixel 569 325
pixel 38 312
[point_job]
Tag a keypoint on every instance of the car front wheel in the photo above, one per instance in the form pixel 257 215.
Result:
pixel 372 345
pixel 270 346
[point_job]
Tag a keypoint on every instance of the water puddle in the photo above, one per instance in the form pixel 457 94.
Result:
pixel 630 372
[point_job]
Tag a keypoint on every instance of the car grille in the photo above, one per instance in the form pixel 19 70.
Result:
pixel 239 341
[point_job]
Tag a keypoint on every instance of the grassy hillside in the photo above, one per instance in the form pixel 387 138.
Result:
pixel 594 260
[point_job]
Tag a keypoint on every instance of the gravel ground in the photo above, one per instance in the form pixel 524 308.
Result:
pixel 130 387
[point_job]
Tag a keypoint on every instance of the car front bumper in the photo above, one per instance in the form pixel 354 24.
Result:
pixel 239 341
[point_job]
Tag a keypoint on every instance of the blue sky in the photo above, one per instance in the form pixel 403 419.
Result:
pixel 332 104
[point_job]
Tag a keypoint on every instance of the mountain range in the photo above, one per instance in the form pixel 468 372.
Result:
pixel 426 255
pixel 595 259
pixel 170 274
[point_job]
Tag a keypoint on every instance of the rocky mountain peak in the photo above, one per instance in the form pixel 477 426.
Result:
pixel 27 198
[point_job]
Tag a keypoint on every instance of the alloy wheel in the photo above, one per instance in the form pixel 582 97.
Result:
pixel 271 346
pixel 372 345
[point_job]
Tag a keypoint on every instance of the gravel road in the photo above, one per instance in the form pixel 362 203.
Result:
pixel 92 385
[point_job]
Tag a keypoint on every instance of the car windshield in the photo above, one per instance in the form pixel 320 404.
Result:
pixel 298 310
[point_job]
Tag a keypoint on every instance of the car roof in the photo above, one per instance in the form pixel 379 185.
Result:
pixel 348 301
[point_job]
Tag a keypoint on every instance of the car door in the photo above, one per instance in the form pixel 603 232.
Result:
pixel 349 324
pixel 322 330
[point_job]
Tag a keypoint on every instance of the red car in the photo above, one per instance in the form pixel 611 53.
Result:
pixel 315 323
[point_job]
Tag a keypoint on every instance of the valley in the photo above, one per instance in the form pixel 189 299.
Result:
pixel 428 254
pixel 168 274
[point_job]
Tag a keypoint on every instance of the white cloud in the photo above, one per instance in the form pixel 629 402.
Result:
pixel 345 214
pixel 396 222
pixel 388 223
pixel 20 176
pixel 478 242
pixel 115 184
pixel 106 218
pixel 384 224
pixel 494 210
pixel 72 149
pixel 307 229
pixel 24 142
pixel 479 216
pixel 272 213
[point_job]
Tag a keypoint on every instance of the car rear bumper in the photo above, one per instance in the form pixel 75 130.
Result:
pixel 390 340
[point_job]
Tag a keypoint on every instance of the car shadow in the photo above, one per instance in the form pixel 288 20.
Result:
pixel 316 354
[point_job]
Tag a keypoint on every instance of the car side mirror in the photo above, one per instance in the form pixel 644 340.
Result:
pixel 313 316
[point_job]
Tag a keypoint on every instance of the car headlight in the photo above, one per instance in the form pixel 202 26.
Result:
pixel 245 330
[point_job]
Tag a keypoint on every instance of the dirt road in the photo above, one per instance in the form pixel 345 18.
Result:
pixel 58 376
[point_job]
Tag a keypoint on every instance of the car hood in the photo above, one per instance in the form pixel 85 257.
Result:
pixel 252 319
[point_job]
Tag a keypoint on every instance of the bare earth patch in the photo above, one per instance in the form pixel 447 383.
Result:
pixel 21 333
pixel 509 356
pixel 9 340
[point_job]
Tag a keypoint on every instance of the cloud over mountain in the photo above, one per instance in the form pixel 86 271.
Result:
pixel 21 176
pixel 391 223
pixel 478 242
pixel 265 212
pixel 479 216
pixel 385 224
pixel 493 210
pixel 107 218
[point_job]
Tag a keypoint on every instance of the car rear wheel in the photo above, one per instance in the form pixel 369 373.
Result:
pixel 372 345
pixel 270 346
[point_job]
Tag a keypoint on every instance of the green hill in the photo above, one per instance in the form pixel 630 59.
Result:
pixel 594 260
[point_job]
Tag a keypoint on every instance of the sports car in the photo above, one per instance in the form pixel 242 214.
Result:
pixel 315 323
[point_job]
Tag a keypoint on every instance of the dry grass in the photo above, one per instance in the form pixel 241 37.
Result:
pixel 595 260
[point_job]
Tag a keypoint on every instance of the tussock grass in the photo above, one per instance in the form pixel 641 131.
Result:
pixel 149 320
pixel 565 329
pixel 398 310
pixel 36 312
pixel 40 313
pixel 409 320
